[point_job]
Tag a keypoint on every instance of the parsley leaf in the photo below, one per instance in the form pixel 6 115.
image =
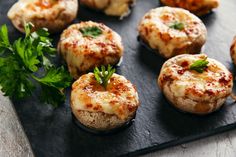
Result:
pixel 4 40
pixel 28 27
pixel 58 78
pixel 32 49
pixel 52 95
pixel 93 31
pixel 28 57
pixel 14 82
pixel 53 83
pixel 199 65
pixel 25 58
pixel 103 76
pixel 177 25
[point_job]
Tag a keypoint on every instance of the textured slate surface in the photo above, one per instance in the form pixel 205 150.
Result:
pixel 51 132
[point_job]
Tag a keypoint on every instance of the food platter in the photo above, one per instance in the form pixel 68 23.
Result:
pixel 157 125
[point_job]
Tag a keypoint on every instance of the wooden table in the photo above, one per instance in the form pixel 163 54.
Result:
pixel 13 141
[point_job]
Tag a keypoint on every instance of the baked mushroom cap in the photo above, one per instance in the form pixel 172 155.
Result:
pixel 83 53
pixel 233 51
pixel 54 15
pixel 103 109
pixel 191 91
pixel 198 7
pixel 110 7
pixel 172 31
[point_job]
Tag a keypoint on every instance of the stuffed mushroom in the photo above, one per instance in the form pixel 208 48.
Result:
pixel 119 8
pixel 89 44
pixel 103 108
pixel 172 31
pixel 198 7
pixel 54 15
pixel 233 50
pixel 195 83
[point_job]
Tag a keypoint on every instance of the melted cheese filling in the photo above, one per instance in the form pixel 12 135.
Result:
pixel 155 29
pixel 214 83
pixel 111 7
pixel 120 97
pixel 84 53
pixel 36 8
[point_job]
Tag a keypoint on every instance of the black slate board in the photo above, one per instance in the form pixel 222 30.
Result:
pixel 52 133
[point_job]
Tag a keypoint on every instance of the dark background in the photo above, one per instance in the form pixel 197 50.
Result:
pixel 52 133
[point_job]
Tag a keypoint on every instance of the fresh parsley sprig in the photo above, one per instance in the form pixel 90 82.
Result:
pixel 199 65
pixel 177 25
pixel 21 61
pixel 92 31
pixel 4 40
pixel 103 76
pixel 53 83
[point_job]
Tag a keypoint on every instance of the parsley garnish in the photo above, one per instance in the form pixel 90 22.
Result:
pixel 177 25
pixel 93 31
pixel 21 61
pixel 199 65
pixel 103 76
pixel 53 83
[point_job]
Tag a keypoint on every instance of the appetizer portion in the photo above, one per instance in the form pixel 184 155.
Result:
pixel 233 50
pixel 172 31
pixel 195 83
pixel 89 44
pixel 110 7
pixel 104 101
pixel 54 15
pixel 198 7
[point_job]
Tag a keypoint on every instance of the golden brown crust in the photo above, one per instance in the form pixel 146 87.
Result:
pixel 100 108
pixel 194 92
pixel 198 7
pixel 154 29
pixel 54 15
pixel 83 54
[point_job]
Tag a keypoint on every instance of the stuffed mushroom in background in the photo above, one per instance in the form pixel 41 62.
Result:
pixel 54 15
pixel 198 7
pixel 172 31
pixel 119 8
pixel 233 50
pixel 89 44
pixel 195 83
pixel 103 101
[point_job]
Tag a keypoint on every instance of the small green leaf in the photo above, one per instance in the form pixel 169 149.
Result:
pixel 14 81
pixel 199 65
pixel 52 95
pixel 103 76
pixel 50 50
pixel 43 32
pixel 97 75
pixel 4 35
pixel 47 63
pixel 28 57
pixel 28 29
pixel 93 31
pixel 177 25
pixel 4 40
pixel 58 78
pixel 53 84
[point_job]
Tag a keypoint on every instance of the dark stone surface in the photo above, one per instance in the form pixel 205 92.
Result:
pixel 51 132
